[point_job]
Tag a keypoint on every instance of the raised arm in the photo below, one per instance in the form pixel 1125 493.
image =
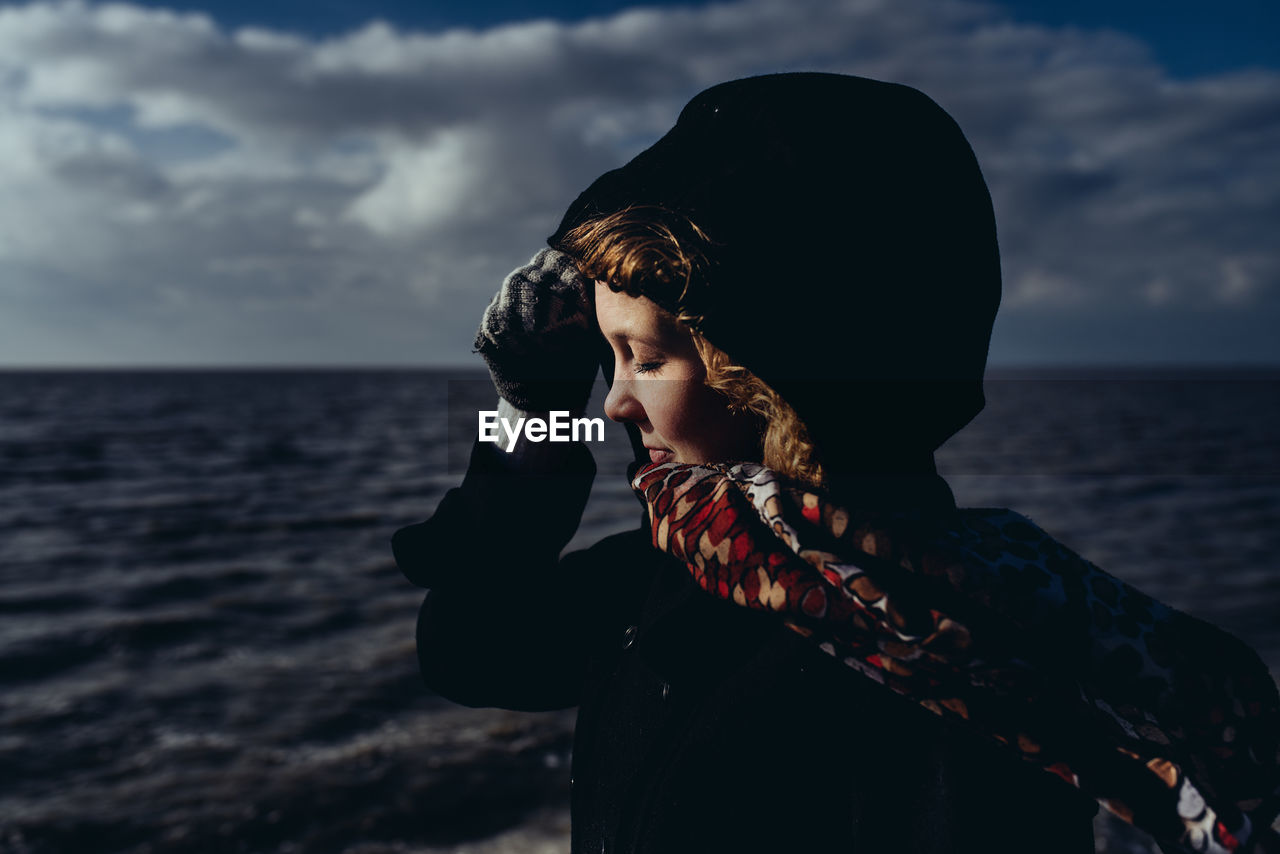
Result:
pixel 504 623
pixel 507 622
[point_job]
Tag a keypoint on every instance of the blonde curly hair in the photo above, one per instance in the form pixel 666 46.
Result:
pixel 651 249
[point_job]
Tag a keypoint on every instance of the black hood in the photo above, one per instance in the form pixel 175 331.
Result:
pixel 855 270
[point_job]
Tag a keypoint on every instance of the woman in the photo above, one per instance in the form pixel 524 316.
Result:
pixel 802 273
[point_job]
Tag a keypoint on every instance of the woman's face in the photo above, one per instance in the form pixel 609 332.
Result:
pixel 659 385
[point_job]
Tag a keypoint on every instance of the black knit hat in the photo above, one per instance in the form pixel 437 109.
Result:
pixel 855 264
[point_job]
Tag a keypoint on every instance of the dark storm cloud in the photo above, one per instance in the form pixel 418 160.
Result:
pixel 366 193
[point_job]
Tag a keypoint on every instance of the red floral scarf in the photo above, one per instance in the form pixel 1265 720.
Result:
pixel 1168 722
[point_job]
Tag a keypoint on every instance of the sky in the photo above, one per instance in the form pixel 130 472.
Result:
pixel 339 182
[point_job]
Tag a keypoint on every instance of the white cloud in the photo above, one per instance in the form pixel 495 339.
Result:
pixel 1040 287
pixel 1158 291
pixel 428 187
pixel 355 182
pixel 1237 281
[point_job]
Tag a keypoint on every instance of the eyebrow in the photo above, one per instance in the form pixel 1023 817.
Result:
pixel 666 329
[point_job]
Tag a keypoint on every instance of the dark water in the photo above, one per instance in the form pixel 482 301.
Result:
pixel 204 644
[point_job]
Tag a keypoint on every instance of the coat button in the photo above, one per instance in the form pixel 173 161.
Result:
pixel 629 637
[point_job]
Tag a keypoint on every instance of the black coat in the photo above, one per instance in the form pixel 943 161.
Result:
pixel 702 726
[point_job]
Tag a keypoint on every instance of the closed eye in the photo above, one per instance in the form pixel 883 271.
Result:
pixel 647 367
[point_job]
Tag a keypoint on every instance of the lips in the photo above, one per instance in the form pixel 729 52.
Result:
pixel 660 456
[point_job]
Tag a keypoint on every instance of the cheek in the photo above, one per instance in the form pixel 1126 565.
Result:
pixel 665 405
pixel 709 407
pixel 707 431
pixel 728 434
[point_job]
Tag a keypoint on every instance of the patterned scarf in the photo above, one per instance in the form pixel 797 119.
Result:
pixel 1168 722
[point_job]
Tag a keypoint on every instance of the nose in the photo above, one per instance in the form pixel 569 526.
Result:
pixel 621 404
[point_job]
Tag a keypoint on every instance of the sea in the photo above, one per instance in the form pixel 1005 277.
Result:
pixel 205 645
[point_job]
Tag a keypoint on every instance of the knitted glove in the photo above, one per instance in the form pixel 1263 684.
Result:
pixel 539 336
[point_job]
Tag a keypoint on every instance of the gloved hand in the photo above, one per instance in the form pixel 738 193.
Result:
pixel 539 336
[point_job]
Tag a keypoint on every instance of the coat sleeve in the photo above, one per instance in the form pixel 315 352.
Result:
pixel 507 623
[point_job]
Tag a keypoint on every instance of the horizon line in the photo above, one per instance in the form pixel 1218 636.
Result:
pixel 993 371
